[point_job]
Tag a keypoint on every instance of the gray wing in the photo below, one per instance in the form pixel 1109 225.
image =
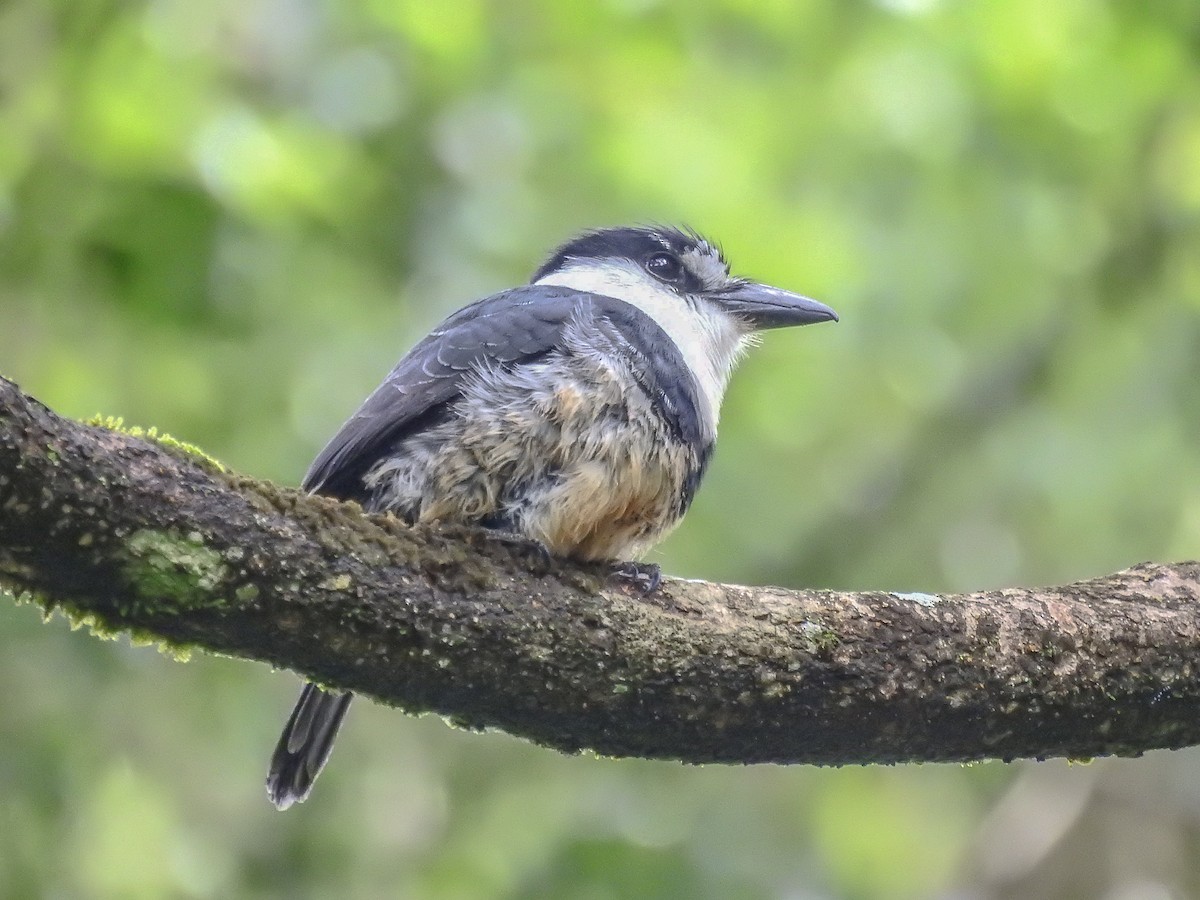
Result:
pixel 507 328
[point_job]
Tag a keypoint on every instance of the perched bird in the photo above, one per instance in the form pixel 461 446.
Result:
pixel 578 411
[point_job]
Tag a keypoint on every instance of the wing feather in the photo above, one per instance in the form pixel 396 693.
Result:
pixel 507 328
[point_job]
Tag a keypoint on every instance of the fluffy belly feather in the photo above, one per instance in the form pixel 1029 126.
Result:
pixel 582 466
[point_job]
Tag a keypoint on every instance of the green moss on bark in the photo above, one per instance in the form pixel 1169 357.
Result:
pixel 180 449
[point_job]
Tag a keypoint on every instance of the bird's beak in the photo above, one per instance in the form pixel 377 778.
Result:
pixel 766 307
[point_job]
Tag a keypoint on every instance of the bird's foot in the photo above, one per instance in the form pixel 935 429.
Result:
pixel 642 579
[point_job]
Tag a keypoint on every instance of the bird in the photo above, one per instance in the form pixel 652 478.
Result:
pixel 578 412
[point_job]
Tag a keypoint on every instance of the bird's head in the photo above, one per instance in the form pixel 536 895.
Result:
pixel 647 266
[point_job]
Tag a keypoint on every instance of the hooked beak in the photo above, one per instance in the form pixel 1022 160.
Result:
pixel 766 307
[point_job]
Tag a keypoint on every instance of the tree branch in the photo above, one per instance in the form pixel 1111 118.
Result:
pixel 140 535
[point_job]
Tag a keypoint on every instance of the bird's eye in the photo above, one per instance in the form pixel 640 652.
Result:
pixel 664 267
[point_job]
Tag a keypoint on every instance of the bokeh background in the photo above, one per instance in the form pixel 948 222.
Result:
pixel 228 219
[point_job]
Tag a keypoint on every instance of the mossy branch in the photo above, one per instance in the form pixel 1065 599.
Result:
pixel 132 533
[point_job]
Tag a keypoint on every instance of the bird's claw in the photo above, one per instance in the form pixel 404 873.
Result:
pixel 642 579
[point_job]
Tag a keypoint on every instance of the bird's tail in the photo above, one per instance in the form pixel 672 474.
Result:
pixel 305 744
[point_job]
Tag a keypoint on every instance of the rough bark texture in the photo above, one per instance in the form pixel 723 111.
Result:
pixel 139 535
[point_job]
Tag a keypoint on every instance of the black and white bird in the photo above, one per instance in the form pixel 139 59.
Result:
pixel 578 411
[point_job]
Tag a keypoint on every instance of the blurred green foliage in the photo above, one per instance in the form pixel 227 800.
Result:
pixel 228 219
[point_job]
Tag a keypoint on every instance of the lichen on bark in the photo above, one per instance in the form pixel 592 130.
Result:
pixel 174 572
